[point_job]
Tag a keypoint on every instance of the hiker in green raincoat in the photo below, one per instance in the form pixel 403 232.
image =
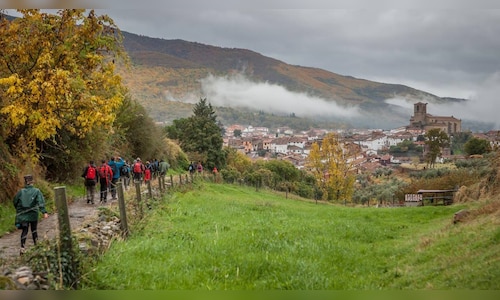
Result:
pixel 29 202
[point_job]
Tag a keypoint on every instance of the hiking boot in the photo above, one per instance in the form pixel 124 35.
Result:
pixel 22 251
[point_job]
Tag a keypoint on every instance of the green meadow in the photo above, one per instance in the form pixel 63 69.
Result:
pixel 228 237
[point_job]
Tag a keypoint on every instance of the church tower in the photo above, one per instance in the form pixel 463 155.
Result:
pixel 423 121
pixel 420 113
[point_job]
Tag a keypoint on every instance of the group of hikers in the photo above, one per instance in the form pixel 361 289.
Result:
pixel 195 167
pixel 110 172
pixel 29 201
pixel 198 167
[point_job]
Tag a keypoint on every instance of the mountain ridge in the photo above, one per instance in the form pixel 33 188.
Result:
pixel 165 71
pixel 177 67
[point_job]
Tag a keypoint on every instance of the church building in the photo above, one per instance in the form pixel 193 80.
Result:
pixel 424 121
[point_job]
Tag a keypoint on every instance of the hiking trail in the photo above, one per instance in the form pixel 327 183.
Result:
pixel 79 212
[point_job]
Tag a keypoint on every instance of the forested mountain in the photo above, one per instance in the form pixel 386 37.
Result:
pixel 172 70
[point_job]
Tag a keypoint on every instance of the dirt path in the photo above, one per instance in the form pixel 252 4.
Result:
pixel 79 212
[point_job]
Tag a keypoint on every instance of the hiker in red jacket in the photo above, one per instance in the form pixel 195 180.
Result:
pixel 105 177
pixel 91 176
pixel 138 169
pixel 147 172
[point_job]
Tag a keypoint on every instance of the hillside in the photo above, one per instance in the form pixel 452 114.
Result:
pixel 171 70
pixel 228 237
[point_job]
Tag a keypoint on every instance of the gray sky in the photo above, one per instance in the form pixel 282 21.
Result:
pixel 448 48
pixel 448 52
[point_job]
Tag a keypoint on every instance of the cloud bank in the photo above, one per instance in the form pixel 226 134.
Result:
pixel 483 106
pixel 238 91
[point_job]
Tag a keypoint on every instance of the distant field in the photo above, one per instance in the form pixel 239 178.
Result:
pixel 423 166
pixel 224 237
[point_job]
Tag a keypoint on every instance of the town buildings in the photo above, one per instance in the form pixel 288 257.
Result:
pixel 365 146
pixel 424 121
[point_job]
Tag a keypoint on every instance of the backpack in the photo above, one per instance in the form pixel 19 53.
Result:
pixel 137 168
pixel 191 167
pixel 124 170
pixel 90 173
pixel 103 171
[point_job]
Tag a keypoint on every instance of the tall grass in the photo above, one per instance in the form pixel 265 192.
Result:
pixel 223 237
pixel 7 213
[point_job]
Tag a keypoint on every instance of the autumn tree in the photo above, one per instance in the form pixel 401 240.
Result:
pixel 237 160
pixel 435 140
pixel 57 79
pixel 331 165
pixel 236 164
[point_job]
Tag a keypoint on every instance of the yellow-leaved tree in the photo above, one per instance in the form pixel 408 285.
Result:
pixel 57 77
pixel 332 166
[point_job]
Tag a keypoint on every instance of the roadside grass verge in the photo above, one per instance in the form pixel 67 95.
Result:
pixel 225 237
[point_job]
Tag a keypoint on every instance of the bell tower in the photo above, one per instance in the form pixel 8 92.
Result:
pixel 419 112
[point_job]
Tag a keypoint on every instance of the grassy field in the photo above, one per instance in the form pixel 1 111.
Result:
pixel 224 237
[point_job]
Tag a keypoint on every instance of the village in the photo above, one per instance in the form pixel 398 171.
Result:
pixel 368 149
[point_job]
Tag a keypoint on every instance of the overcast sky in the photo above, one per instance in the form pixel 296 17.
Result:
pixel 448 52
pixel 448 48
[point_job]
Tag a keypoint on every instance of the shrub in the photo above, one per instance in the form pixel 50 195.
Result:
pixel 230 175
pixel 304 190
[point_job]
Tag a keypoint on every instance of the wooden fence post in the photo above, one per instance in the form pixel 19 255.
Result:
pixel 123 209
pixel 171 181
pixel 159 183
pixel 65 234
pixel 180 179
pixel 138 193
pixel 150 190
